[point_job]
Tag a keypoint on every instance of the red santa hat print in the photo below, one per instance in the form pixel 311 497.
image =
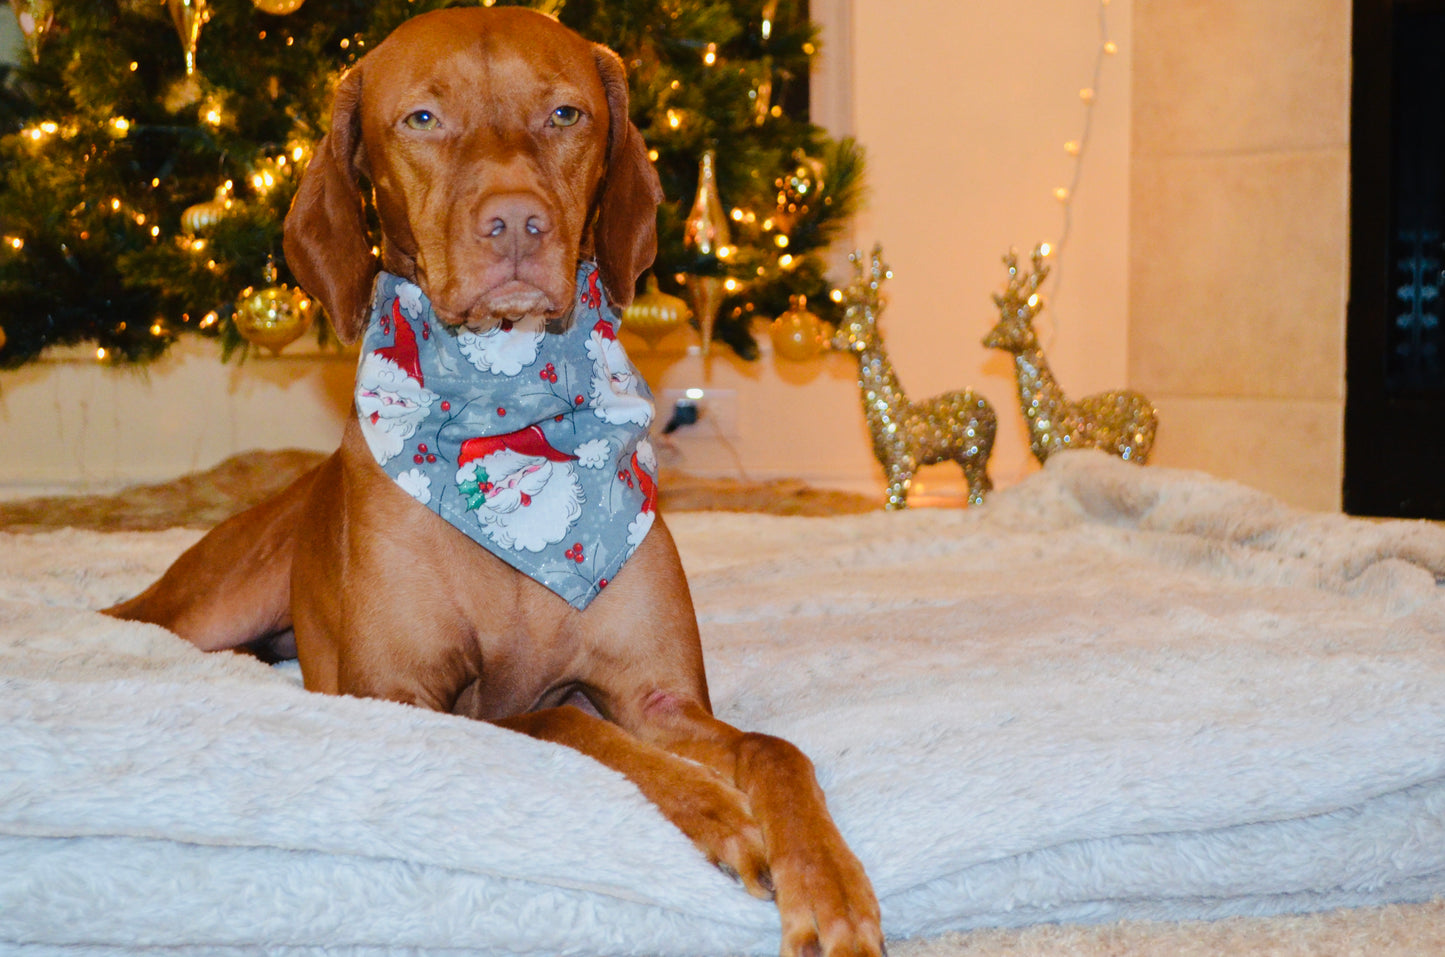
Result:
pixel 649 487
pixel 528 441
pixel 605 330
pixel 403 350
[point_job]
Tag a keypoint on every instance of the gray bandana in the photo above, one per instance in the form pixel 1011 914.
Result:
pixel 532 443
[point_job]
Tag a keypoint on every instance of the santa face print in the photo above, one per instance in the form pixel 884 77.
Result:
pixel 390 404
pixel 505 350
pixel 522 501
pixel 616 390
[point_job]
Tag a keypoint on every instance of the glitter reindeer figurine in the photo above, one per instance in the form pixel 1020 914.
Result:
pixel 954 426
pixel 1122 423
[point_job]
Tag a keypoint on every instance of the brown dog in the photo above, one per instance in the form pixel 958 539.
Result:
pixel 498 147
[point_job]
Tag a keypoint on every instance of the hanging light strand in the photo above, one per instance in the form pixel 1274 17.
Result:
pixel 1079 148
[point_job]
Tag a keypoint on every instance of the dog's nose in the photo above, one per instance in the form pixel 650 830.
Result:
pixel 514 223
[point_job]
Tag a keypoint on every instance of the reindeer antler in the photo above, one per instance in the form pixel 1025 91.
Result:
pixel 867 280
pixel 1020 297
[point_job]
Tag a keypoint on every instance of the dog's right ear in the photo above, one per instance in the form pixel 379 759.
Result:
pixel 625 232
pixel 326 243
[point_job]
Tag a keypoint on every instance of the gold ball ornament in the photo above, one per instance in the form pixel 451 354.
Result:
pixel 201 216
pixel 654 314
pixel 274 317
pixel 801 186
pixel 2 338
pixel 278 8
pixel 180 93
pixel 797 334
pixel 706 233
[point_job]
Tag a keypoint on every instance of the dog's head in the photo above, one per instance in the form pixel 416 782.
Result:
pixel 499 151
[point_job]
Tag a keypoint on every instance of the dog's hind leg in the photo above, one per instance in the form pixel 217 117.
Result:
pixel 233 587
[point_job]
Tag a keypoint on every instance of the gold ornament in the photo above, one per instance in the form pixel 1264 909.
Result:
pixel 278 8
pixel 955 426
pixel 707 235
pixel 204 215
pixel 2 339
pixel 189 16
pixel 35 17
pixel 799 188
pixel 274 317
pixel 797 334
pixel 180 93
pixel 1122 423
pixel 654 314
pixel 763 94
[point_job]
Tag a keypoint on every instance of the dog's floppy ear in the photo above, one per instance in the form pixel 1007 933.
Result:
pixel 326 242
pixel 625 234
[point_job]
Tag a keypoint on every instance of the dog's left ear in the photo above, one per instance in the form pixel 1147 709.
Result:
pixel 625 233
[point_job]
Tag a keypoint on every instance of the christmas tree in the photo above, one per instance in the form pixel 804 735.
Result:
pixel 150 151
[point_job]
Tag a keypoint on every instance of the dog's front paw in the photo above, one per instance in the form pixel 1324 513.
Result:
pixel 715 817
pixel 827 903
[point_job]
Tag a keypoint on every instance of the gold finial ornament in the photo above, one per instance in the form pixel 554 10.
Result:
pixel 707 235
pixel 954 426
pixel 189 16
pixel 36 18
pixel 1123 423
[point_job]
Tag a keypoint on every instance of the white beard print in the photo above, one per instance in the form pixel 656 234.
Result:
pixel 505 350
pixel 390 405
pixel 616 386
pixel 531 503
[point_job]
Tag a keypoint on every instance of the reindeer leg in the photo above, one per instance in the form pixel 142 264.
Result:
pixel 900 478
pixel 975 472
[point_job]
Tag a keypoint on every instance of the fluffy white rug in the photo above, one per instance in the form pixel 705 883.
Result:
pixel 1112 692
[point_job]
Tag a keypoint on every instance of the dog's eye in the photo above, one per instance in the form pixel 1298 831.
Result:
pixel 564 116
pixel 422 120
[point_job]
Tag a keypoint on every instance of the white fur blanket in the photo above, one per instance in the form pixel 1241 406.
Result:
pixel 1111 692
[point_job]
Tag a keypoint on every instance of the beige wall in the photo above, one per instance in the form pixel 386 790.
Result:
pixel 1239 237
pixel 1206 264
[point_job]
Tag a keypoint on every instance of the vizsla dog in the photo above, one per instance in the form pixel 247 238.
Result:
pixel 416 564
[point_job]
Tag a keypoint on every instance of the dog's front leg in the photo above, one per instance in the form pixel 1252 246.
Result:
pixel 825 899
pixel 698 801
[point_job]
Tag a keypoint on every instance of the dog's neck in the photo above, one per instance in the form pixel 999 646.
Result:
pixel 532 442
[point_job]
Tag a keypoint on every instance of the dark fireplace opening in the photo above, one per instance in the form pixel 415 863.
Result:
pixel 1395 364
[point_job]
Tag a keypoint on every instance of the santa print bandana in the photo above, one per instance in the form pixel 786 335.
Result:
pixel 532 443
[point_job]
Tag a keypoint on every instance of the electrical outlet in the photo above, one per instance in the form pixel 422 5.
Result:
pixel 717 412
